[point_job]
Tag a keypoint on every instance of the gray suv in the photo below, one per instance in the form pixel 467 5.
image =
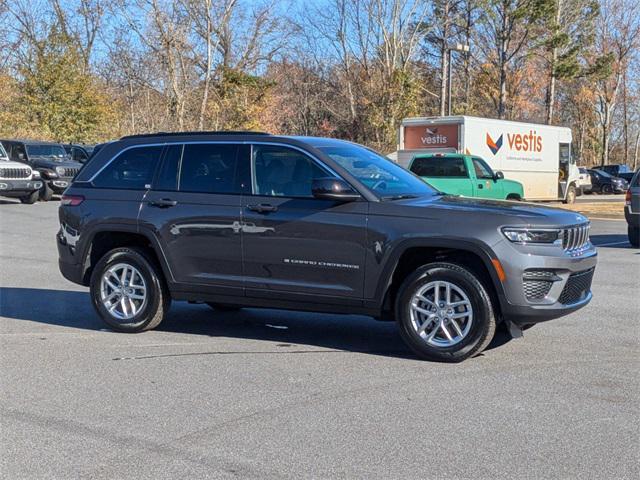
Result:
pixel 254 220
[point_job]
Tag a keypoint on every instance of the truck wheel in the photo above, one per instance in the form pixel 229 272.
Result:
pixel 46 193
pixel 634 236
pixel 445 313
pixel 571 195
pixel 128 292
pixel 31 198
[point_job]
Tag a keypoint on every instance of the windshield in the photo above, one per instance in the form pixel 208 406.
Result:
pixel 379 174
pixel 3 154
pixel 45 150
pixel 604 174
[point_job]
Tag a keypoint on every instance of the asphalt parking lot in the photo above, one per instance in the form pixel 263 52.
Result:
pixel 274 394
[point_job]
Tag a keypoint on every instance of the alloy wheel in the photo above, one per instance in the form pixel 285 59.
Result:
pixel 123 291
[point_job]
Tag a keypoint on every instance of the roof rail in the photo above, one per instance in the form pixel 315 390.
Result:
pixel 180 134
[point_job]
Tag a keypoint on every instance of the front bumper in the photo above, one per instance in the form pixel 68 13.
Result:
pixel 544 282
pixel 59 185
pixel 18 188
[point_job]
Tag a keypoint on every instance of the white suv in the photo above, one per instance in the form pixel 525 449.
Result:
pixel 18 180
pixel 584 180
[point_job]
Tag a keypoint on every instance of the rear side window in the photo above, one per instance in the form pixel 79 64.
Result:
pixel 132 170
pixel 439 167
pixel 635 181
pixel 208 168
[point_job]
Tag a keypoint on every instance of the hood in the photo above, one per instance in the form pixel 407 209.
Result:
pixel 52 162
pixel 491 211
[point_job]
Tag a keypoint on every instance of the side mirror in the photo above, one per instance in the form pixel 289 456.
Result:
pixel 333 189
pixel 498 175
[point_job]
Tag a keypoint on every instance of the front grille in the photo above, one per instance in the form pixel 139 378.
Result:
pixel 577 287
pixel 576 237
pixel 536 289
pixel 70 172
pixel 15 172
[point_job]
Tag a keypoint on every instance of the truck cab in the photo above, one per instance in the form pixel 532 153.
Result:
pixel 465 175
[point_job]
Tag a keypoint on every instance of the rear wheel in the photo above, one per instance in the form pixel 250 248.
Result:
pixel 128 292
pixel 31 198
pixel 445 313
pixel 634 236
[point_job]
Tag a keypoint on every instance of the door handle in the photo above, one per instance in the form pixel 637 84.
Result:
pixel 262 208
pixel 163 203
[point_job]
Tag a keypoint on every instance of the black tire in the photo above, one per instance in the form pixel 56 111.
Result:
pixel 634 236
pixel 572 193
pixel 482 327
pixel 46 193
pixel 606 190
pixel 31 198
pixel 514 198
pixel 223 307
pixel 158 300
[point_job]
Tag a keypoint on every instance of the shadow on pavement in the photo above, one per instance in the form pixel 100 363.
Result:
pixel 288 328
pixel 613 240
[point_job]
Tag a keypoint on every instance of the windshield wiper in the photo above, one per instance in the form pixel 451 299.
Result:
pixel 399 197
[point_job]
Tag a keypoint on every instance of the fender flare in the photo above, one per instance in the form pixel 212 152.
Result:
pixel 479 249
pixel 133 229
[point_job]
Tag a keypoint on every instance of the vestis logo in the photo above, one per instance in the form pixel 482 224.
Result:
pixel 494 146
pixel 525 143
pixel 433 137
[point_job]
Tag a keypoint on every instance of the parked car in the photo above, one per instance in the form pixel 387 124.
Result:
pixel 584 180
pixel 50 159
pixel 18 180
pixel 602 182
pixel 618 170
pixel 466 175
pixel 78 153
pixel 301 223
pixel 632 210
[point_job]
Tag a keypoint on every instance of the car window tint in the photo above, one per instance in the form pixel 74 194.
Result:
pixel 168 176
pixel 133 169
pixel 208 168
pixel 482 169
pixel 439 167
pixel 284 172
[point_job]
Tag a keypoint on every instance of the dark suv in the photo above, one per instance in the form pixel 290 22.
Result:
pixel 50 159
pixel 255 220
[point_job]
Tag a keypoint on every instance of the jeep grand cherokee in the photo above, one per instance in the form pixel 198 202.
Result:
pixel 254 220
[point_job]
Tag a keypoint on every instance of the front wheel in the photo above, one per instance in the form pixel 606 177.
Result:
pixel 46 193
pixel 31 198
pixel 572 193
pixel 445 313
pixel 127 291
pixel 634 236
pixel 606 189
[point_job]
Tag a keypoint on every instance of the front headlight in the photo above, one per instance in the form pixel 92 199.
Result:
pixel 60 171
pixel 35 175
pixel 527 235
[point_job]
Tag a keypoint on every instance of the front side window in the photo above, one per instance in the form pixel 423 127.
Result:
pixel 481 168
pixel 439 167
pixel 132 170
pixel 283 172
pixel 379 174
pixel 207 168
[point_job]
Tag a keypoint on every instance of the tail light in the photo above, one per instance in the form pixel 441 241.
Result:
pixel 627 198
pixel 72 200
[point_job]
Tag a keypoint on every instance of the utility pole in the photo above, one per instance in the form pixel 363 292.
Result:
pixel 458 47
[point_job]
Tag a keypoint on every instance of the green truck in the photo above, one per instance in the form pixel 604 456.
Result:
pixel 467 175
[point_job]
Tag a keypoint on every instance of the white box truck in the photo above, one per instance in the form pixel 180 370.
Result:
pixel 538 156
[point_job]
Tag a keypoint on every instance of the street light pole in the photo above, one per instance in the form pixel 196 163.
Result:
pixel 458 47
